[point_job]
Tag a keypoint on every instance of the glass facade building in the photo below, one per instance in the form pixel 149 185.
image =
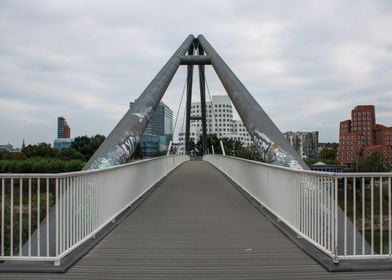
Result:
pixel 63 139
pixel 159 130
pixel 63 129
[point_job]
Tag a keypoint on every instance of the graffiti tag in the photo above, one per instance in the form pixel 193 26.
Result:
pixel 262 142
pixel 143 114
pixel 127 147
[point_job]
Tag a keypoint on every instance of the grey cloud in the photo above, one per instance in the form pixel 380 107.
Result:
pixel 86 60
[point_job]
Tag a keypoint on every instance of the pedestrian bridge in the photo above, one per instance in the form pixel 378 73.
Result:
pixel 175 218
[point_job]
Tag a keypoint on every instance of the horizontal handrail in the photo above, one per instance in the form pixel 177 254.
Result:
pixel 46 216
pixel 346 215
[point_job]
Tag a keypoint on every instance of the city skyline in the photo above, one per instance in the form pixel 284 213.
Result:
pixel 307 65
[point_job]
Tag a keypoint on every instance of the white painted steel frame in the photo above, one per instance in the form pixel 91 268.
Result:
pixel 84 203
pixel 308 203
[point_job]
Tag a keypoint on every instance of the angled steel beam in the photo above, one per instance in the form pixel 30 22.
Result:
pixel 119 146
pixel 195 60
pixel 270 142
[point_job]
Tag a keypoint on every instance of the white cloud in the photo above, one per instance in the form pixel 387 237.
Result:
pixel 307 63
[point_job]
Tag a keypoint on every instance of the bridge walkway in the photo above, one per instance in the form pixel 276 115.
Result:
pixel 196 225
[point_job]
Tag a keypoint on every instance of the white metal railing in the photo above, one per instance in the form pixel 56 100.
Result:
pixel 46 216
pixel 347 216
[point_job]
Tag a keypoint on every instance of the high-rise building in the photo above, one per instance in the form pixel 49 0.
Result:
pixel 361 136
pixel 305 143
pixel 219 117
pixel 63 129
pixel 161 122
pixel 159 131
pixel 63 139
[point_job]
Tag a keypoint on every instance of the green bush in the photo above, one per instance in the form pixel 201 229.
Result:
pixel 40 165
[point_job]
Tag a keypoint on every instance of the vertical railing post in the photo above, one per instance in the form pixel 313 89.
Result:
pixel 389 218
pixel 47 216
pixel 57 216
pixel 372 214
pixel 354 215
pixel 20 215
pixel 12 218
pixel 363 215
pixel 222 147
pixel 29 232
pixel 336 222
pixel 38 217
pixel 345 217
pixel 381 218
pixel 2 214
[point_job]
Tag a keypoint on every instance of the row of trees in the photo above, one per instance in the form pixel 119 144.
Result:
pixel 367 163
pixel 232 147
pixel 42 158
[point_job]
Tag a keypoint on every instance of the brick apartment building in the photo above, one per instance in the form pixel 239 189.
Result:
pixel 361 136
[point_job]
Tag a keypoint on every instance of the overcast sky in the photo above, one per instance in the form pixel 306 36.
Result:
pixel 307 63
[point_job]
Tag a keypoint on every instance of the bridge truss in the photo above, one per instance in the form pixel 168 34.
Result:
pixel 269 141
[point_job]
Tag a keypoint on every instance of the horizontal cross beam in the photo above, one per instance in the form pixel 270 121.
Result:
pixel 195 60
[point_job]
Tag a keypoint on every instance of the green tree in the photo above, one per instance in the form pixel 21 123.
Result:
pixel 69 154
pixel 249 152
pixel 327 154
pixel 232 147
pixel 39 150
pixel 371 163
pixel 40 165
pixel 12 156
pixel 212 141
pixel 87 145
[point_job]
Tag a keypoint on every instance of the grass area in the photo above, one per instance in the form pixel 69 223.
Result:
pixel 366 202
pixel 22 219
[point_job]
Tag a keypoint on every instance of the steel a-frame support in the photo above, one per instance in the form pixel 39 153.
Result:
pixel 190 61
pixel 270 142
pixel 121 142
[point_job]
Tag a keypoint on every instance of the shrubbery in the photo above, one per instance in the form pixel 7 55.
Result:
pixel 40 165
pixel 42 158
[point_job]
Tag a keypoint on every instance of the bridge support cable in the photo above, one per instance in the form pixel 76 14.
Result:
pixel 119 146
pixel 202 83
pixel 178 111
pixel 189 85
pixel 213 115
pixel 269 140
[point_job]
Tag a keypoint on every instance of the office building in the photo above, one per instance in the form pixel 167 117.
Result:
pixel 161 122
pixel 8 147
pixel 305 143
pixel 63 129
pixel 361 135
pixel 63 139
pixel 159 131
pixel 219 117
